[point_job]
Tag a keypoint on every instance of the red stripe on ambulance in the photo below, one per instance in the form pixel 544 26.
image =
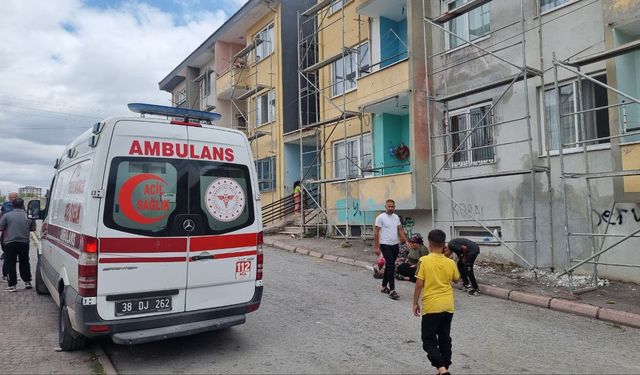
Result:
pixel 228 241
pixel 143 245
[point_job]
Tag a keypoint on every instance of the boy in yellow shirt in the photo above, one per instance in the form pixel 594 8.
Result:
pixel 434 275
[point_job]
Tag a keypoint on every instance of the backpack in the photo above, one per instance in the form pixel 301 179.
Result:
pixel 6 207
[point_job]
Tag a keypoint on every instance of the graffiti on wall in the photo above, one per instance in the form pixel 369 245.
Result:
pixel 466 209
pixel 618 217
pixel 407 224
pixel 354 212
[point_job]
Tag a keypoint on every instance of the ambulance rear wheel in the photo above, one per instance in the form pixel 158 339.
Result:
pixel 68 338
pixel 40 287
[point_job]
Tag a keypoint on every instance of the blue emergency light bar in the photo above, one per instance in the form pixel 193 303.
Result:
pixel 187 114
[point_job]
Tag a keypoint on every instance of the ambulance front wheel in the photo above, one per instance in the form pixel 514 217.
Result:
pixel 68 338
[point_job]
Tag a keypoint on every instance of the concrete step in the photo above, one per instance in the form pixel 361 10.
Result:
pixel 292 230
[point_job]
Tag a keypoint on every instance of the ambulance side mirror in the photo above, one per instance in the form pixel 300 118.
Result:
pixel 33 210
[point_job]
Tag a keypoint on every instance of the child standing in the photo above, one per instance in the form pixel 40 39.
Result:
pixel 434 275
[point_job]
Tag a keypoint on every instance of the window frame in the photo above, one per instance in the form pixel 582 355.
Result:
pixel 567 3
pixel 480 235
pixel 205 84
pixel 470 149
pixel 361 157
pixel 447 44
pixel 336 5
pixel 180 96
pixel 355 68
pixel 270 160
pixel 578 147
pixel 262 46
pixel 271 108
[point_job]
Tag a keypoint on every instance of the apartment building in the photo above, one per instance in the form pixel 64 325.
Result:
pixel 362 61
pixel 246 71
pixel 529 136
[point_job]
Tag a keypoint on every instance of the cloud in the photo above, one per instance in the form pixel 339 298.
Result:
pixel 65 65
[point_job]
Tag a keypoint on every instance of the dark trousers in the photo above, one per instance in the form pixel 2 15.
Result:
pixel 13 251
pixel 406 270
pixel 465 266
pixel 390 253
pixel 436 339
pixel 5 268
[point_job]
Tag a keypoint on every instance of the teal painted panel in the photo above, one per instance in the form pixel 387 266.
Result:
pixel 393 41
pixel 628 77
pixel 353 211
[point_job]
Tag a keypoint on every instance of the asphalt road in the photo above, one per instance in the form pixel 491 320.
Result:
pixel 325 317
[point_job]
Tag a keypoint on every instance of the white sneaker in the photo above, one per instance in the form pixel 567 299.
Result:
pixel 27 285
pixel 10 289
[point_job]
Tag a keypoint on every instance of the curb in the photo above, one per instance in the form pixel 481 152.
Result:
pixel 104 360
pixel 557 304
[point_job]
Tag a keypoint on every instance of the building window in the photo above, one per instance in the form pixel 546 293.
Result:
pixel 266 170
pixel 596 123
pixel 346 70
pixel 346 154
pixel 480 235
pixel 265 39
pixel 205 84
pixel 265 108
pixel 471 132
pixel 546 5
pixel 469 26
pixel 180 96
pixel 336 5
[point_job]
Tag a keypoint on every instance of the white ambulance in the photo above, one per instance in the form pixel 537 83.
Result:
pixel 152 229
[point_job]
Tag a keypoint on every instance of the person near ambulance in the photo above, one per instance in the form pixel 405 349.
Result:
pixel 16 243
pixel 6 208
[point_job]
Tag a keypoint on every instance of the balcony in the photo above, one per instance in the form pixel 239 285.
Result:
pixel 383 83
pixel 230 84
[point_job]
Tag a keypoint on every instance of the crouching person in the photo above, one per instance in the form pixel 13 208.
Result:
pixel 417 249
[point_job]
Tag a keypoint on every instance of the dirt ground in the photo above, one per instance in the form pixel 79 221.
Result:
pixel 611 294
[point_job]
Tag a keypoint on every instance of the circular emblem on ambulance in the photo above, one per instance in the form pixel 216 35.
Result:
pixel 189 225
pixel 225 199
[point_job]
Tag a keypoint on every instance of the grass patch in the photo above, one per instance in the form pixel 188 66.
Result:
pixel 96 366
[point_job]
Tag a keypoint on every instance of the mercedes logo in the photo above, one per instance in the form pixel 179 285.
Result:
pixel 188 225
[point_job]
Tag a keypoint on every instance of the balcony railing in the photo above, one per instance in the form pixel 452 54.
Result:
pixel 230 84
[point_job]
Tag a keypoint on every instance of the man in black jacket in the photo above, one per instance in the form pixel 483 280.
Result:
pixel 16 243
pixel 467 252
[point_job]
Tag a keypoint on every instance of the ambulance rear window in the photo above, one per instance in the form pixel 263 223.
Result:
pixel 141 195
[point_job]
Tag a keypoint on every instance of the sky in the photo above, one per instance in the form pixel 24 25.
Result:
pixel 67 64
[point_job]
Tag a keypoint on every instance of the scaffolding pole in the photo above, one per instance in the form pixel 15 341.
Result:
pixel 574 67
pixel 448 153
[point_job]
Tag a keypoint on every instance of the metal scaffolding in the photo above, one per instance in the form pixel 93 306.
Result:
pixel 311 25
pixel 598 239
pixel 247 79
pixel 442 161
pixel 444 171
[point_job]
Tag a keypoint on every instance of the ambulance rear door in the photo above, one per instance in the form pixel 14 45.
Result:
pixel 223 245
pixel 142 264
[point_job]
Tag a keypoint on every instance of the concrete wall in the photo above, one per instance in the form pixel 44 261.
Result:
pixel 224 53
pixel 574 30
